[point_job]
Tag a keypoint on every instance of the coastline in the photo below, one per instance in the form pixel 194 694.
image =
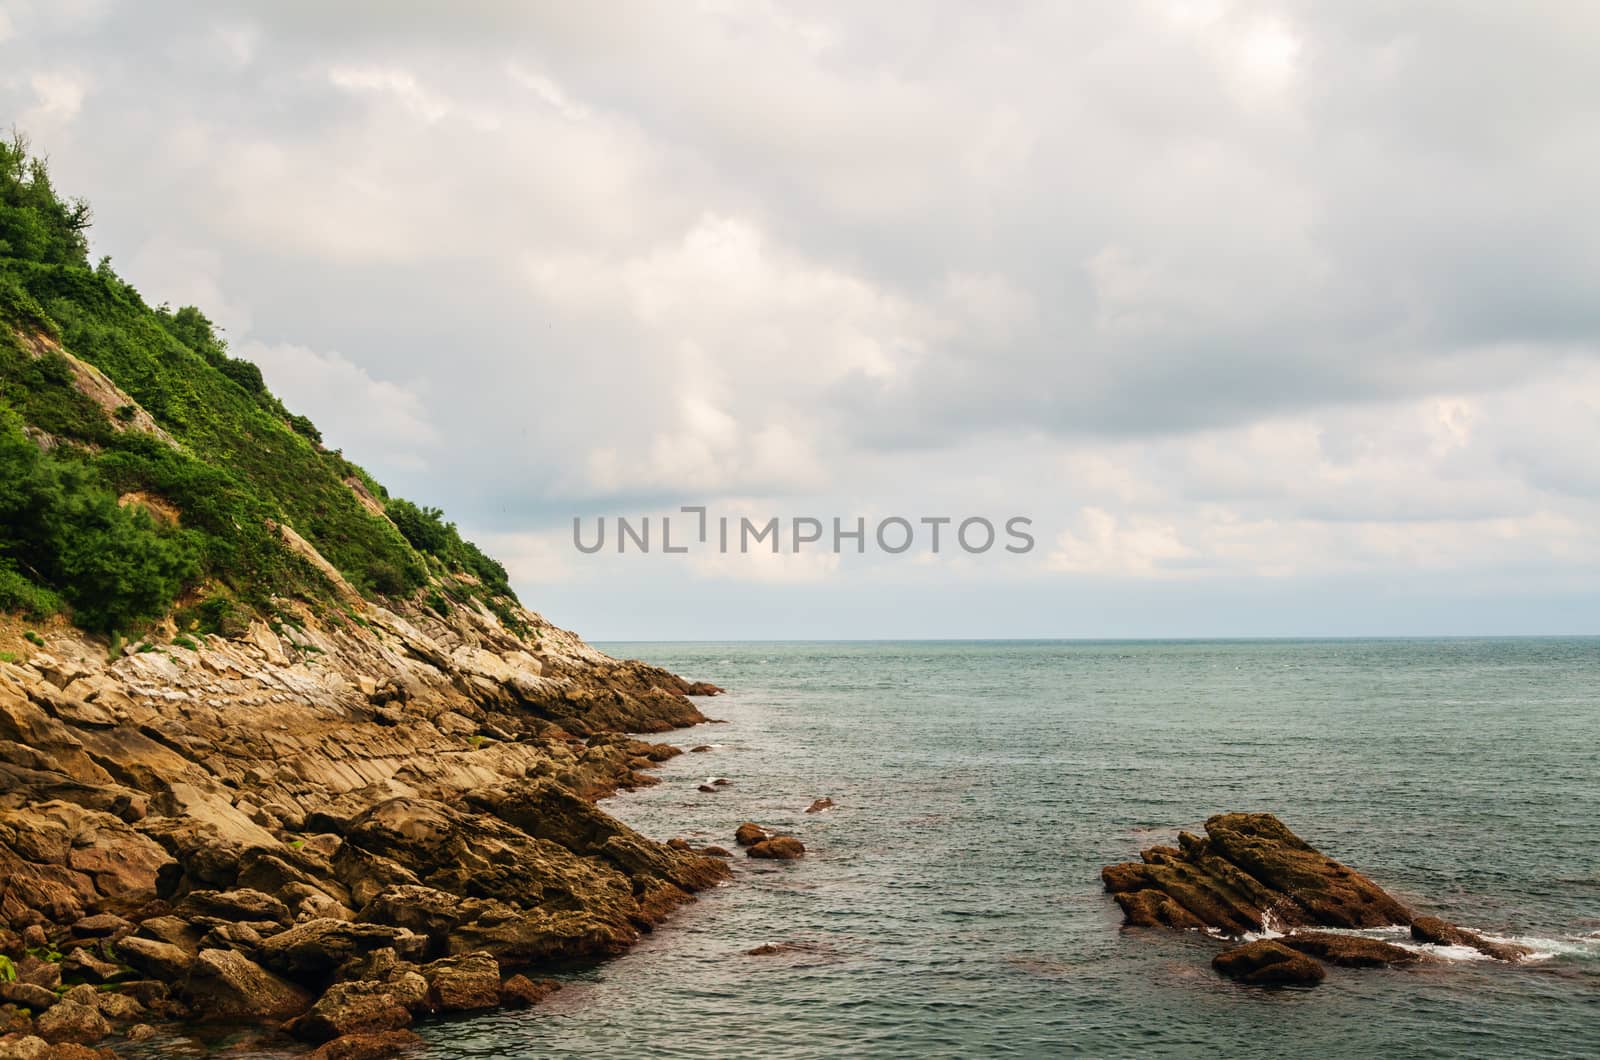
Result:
pixel 322 831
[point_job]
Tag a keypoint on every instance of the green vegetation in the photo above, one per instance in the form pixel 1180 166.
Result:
pixel 427 532
pixel 61 524
pixel 113 523
pixel 33 638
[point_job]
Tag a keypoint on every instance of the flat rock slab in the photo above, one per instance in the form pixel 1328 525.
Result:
pixel 1268 963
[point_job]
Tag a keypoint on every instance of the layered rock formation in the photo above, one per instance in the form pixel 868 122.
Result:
pixel 1250 875
pixel 341 827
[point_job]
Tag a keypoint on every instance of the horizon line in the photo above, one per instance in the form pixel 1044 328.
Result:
pixel 1097 639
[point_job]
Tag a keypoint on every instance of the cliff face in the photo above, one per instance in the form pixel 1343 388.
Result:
pixel 303 797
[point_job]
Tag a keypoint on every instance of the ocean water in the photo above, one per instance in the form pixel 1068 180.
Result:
pixel 951 904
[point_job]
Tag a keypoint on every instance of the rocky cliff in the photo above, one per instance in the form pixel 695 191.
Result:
pixel 254 827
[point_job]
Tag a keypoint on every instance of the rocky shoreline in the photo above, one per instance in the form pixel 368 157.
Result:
pixel 1249 875
pixel 324 829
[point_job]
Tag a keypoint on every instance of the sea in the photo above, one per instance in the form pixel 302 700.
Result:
pixel 950 904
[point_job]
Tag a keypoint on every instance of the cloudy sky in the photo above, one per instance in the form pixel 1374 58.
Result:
pixel 1275 318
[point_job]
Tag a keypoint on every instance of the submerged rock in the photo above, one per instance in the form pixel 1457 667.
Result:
pixel 819 805
pixel 520 992
pixel 778 848
pixel 378 1046
pixel 1266 962
pixel 1443 933
pixel 750 833
pixel 1351 951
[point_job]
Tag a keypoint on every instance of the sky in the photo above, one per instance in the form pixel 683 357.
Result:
pixel 1274 319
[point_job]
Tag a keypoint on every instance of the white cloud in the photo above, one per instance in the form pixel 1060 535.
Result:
pixel 353 410
pixel 1104 544
pixel 1213 290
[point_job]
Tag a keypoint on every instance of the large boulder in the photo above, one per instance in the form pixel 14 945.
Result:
pixel 28 995
pixel 159 960
pixel 238 904
pixel 72 1021
pixel 1266 962
pixel 352 1008
pixel 317 947
pixel 224 985
pixel 464 983
pixel 1249 872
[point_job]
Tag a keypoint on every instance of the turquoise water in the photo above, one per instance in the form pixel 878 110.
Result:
pixel 951 904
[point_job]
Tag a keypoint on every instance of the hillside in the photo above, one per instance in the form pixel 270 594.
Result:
pixel 273 743
pixel 163 470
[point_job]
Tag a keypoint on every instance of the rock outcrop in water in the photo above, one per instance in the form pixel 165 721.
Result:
pixel 341 828
pixel 1249 874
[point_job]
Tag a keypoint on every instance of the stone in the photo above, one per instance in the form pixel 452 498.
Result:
pixel 750 833
pixel 410 989
pixel 241 904
pixel 224 985
pixel 31 969
pixel 708 789
pixel 83 994
pixel 1350 951
pixel 714 852
pixel 160 960
pixel 241 937
pixel 147 992
pixel 1266 962
pixel 780 848
pixel 1443 933
pixel 99 925
pixel 119 1007
pixel 72 1021
pixel 521 992
pixel 172 930
pixel 29 995
pixel 351 1008
pixel 368 1046
pixel 25 1047
pixel 316 947
pixel 702 749
pixel 141 1032
pixel 1248 873
pixel 458 984
pixel 819 805
pixel 83 962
